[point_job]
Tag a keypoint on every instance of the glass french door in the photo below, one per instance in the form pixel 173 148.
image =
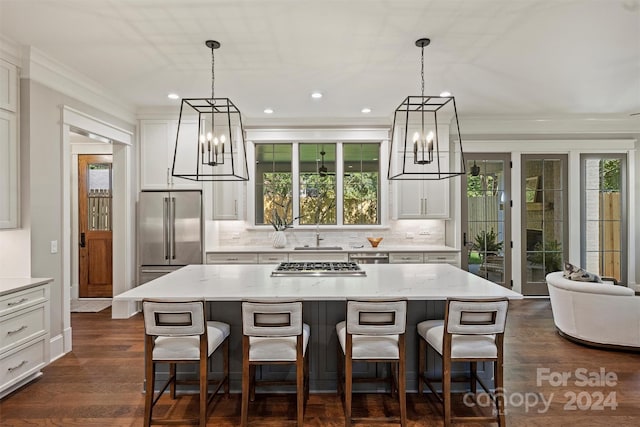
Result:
pixel 545 230
pixel 486 217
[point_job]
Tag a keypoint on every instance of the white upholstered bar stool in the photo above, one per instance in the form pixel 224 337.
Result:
pixel 274 334
pixel 373 332
pixel 472 331
pixel 178 333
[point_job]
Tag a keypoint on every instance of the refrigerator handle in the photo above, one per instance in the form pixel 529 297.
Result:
pixel 165 227
pixel 173 228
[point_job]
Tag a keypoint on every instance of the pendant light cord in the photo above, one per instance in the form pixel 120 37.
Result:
pixel 422 70
pixel 213 74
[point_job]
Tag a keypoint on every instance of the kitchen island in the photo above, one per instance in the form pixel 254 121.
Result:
pixel 425 286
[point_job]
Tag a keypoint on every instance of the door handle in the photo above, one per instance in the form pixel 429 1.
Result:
pixel 83 241
pixel 173 228
pixel 165 227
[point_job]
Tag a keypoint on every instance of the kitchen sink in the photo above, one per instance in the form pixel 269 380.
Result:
pixel 317 248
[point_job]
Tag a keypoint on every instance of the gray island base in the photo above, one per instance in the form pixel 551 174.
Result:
pixel 425 286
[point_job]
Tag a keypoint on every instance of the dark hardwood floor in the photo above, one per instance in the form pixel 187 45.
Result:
pixel 100 383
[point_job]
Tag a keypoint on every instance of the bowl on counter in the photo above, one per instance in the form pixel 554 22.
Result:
pixel 375 241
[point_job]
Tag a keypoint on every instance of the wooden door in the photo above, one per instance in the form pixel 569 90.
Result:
pixel 94 219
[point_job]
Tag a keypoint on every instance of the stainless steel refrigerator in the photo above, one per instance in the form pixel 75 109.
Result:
pixel 170 231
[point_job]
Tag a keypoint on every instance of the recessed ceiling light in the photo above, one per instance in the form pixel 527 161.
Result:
pixel 445 93
pixel 268 111
pixel 173 96
pixel 316 95
pixel 366 110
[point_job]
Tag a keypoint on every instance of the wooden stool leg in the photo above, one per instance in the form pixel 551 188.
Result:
pixel 402 382
pixel 300 389
pixel 340 366
pixel 252 382
pixel 225 366
pixel 150 374
pixel 245 382
pixel 422 364
pixel 499 392
pixel 348 380
pixel 446 390
pixel 204 391
pixel 173 378
pixel 472 381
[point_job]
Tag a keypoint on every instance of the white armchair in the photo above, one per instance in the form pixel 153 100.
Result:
pixel 595 313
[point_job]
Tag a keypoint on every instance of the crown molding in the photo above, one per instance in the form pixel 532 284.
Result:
pixel 10 51
pixel 43 69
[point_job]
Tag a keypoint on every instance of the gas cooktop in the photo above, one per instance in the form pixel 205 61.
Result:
pixel 323 268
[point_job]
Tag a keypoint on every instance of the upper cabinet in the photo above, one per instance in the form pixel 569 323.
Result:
pixel 9 197
pixel 157 145
pixel 423 199
pixel 223 200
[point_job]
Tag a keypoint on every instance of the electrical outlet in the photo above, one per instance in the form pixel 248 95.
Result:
pixel 54 246
pixel 409 235
pixel 235 235
pixel 424 233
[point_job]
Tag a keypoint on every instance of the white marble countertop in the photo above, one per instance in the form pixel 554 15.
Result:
pixel 14 284
pixel 345 248
pixel 254 281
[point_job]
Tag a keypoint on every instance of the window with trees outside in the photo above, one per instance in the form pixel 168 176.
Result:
pixel 603 214
pixel 335 184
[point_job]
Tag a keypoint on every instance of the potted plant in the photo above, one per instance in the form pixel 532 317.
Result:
pixel 486 242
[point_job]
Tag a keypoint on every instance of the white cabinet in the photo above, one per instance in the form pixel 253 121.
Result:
pixel 24 336
pixel 226 200
pixel 232 258
pixel 406 258
pixel 452 258
pixel 424 199
pixel 157 147
pixel 9 194
pixel 315 256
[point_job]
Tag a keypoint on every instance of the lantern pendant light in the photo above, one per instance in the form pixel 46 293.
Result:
pixel 210 142
pixel 425 142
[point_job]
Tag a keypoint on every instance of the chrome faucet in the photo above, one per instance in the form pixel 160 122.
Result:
pixel 318 238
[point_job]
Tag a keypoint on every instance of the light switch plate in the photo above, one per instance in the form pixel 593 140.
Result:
pixel 54 246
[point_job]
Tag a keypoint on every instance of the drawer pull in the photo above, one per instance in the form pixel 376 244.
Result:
pixel 20 301
pixel 232 259
pixel 18 366
pixel 15 331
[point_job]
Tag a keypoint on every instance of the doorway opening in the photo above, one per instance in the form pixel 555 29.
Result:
pixel 95 248
pixel 486 217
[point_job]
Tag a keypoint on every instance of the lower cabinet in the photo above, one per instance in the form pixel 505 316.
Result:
pixel 232 258
pixel 24 336
pixel 452 258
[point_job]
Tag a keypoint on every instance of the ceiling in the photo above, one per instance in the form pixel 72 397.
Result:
pixel 515 57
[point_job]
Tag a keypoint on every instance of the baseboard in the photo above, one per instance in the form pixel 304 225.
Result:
pixel 60 345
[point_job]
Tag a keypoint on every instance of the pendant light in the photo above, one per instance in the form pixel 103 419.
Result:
pixel 210 144
pixel 425 128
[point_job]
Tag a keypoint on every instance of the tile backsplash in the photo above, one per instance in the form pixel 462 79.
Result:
pixel 403 232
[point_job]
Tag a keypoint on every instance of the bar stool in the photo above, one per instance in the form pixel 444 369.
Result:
pixel 373 332
pixel 178 333
pixel 274 334
pixel 472 331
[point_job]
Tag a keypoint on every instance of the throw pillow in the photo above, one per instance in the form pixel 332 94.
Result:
pixel 573 272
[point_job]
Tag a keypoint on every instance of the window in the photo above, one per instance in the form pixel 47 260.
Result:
pixel 332 183
pixel 274 188
pixel 361 184
pixel 603 217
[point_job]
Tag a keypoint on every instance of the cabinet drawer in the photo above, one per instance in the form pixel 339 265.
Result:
pixel 406 258
pixel 272 258
pixel 19 300
pixel 232 258
pixel 442 257
pixel 315 256
pixel 22 326
pixel 25 360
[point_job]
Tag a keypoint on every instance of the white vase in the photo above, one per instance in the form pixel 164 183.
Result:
pixel 279 239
